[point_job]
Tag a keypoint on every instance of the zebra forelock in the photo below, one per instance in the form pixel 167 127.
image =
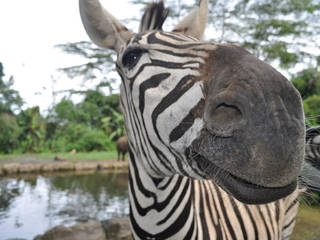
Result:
pixel 153 17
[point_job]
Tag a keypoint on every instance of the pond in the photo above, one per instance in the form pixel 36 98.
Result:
pixel 31 205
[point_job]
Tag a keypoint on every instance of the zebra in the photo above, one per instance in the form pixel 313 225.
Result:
pixel 310 176
pixel 216 136
pixel 313 146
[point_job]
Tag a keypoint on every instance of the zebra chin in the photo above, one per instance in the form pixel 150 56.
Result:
pixel 243 190
pixel 252 172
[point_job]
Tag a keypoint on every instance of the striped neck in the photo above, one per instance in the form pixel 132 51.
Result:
pixel 159 206
pixel 179 207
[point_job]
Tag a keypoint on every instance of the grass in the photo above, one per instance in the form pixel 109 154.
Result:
pixel 81 156
pixel 308 222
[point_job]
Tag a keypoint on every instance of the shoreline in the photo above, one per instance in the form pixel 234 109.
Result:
pixel 14 168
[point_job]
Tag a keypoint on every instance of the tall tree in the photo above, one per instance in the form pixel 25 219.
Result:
pixel 33 127
pixel 98 64
pixel 284 32
pixel 10 99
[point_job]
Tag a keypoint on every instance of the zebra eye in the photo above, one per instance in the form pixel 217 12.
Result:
pixel 131 58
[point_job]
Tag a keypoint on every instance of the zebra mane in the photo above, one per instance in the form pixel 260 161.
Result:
pixel 153 17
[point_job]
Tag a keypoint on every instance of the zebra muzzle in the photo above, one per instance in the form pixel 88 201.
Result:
pixel 223 115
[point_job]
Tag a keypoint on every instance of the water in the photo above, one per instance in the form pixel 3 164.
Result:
pixel 31 205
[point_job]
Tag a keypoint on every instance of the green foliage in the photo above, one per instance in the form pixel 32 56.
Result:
pixel 67 112
pixel 283 30
pixel 279 50
pixel 81 138
pixel 82 126
pixel 10 99
pixel 99 62
pixel 312 110
pixel 113 124
pixel 1 71
pixel 33 129
pixel 99 106
pixel 308 84
pixel 9 133
pixel 89 125
pixel 279 31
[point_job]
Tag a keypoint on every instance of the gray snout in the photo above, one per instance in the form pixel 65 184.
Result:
pixel 223 115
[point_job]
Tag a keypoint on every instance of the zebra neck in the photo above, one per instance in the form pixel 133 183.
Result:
pixel 153 189
pixel 159 207
pixel 182 208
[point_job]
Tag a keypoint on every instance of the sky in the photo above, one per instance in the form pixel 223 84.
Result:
pixel 29 31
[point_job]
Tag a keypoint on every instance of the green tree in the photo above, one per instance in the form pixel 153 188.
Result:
pixel 100 106
pixel 284 32
pixel 91 110
pixel 113 124
pixel 308 84
pixel 33 130
pixel 10 100
pixel 98 63
pixel 10 103
pixel 83 126
pixel 66 111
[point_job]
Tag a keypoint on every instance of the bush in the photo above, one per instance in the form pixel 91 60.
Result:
pixel 57 145
pixel 307 82
pixel 312 110
pixel 81 138
pixel 9 133
pixel 33 130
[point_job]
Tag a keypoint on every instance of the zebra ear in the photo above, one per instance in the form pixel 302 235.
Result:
pixel 103 28
pixel 194 24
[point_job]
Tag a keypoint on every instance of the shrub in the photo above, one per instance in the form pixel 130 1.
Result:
pixel 81 138
pixel 312 110
pixel 9 133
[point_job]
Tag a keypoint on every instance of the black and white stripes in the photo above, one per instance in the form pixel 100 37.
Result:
pixel 164 86
pixel 310 176
pixel 182 208
pixel 212 131
pixel 163 203
pixel 313 146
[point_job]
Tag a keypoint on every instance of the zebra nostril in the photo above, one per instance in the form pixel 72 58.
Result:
pixel 223 119
pixel 226 114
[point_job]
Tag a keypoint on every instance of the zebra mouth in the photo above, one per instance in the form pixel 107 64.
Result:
pixel 243 190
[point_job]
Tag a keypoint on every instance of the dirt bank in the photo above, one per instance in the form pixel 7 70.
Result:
pixel 58 166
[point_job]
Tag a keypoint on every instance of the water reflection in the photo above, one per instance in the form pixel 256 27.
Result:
pixel 30 206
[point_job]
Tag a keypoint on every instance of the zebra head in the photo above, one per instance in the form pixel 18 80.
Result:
pixel 200 109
